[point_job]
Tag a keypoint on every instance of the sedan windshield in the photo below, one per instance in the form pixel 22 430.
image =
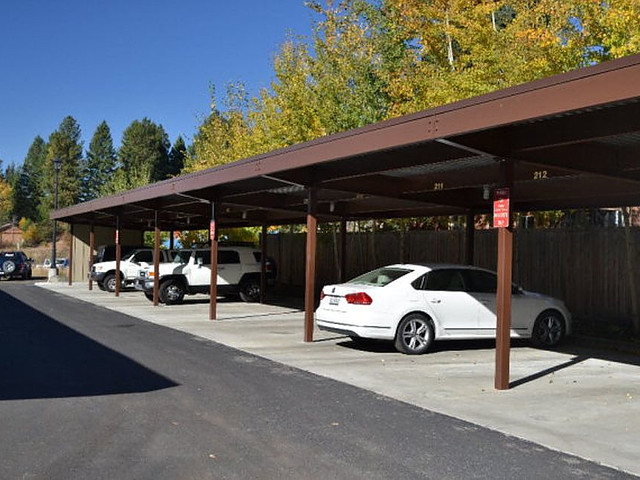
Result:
pixel 381 276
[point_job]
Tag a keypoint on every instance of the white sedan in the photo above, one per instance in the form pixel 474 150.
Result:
pixel 413 305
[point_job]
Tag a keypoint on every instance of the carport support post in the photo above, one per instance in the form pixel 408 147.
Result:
pixel 310 275
pixel 118 255
pixel 156 259
pixel 263 264
pixel 92 246
pixel 469 238
pixel 213 288
pixel 71 255
pixel 503 295
pixel 343 250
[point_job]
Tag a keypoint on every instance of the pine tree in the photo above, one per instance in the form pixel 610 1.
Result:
pixel 28 186
pixel 100 162
pixel 143 156
pixel 177 157
pixel 64 144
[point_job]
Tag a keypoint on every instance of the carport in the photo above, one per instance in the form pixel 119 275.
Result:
pixel 569 141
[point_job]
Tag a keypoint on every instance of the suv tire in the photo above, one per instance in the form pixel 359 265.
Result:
pixel 9 267
pixel 172 291
pixel 250 291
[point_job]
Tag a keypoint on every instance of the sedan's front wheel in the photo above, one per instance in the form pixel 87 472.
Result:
pixel 548 329
pixel 414 335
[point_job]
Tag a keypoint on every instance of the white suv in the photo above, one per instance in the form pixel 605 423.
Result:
pixel 190 273
pixel 104 273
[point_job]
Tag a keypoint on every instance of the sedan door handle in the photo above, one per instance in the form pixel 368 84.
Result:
pixel 435 300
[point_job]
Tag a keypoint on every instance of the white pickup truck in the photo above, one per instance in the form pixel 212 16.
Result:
pixel 104 273
pixel 190 273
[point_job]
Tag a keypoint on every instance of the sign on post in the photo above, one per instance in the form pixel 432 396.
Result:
pixel 501 208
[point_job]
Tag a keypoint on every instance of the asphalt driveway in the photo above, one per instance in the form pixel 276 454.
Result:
pixel 305 420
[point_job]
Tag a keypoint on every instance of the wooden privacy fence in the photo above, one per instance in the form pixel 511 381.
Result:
pixel 585 268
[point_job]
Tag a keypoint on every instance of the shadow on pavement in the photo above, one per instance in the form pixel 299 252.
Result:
pixel 386 346
pixel 41 358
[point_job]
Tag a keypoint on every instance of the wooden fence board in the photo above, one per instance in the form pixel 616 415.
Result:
pixel 586 268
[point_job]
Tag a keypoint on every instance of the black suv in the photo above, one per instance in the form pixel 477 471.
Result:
pixel 15 264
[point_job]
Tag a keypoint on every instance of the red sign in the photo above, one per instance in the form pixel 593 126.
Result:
pixel 501 208
pixel 212 230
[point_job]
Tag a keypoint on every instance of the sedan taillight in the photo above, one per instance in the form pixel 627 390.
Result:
pixel 360 298
pixel 322 295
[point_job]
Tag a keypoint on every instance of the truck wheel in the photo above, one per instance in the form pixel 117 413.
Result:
pixel 172 291
pixel 250 291
pixel 109 282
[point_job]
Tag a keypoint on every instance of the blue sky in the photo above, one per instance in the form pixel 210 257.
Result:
pixel 122 60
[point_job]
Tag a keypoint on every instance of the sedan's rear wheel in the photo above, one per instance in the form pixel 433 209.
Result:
pixel 548 329
pixel 415 334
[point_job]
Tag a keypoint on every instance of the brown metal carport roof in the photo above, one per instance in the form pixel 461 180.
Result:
pixel 572 140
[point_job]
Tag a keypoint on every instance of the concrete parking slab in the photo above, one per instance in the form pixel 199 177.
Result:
pixel 576 400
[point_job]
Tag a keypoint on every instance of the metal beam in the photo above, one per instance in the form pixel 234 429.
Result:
pixel 597 124
pixel 263 263
pixel 71 256
pixel 310 270
pixel 503 294
pixel 92 247
pixel 213 289
pixel 156 260
pixel 585 159
pixel 118 255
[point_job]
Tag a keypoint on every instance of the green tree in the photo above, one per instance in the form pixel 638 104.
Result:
pixel 143 156
pixel 336 83
pixel 64 144
pixel 177 156
pixel 100 162
pixel 28 188
pixel 351 46
pixel 611 29
pixel 225 135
